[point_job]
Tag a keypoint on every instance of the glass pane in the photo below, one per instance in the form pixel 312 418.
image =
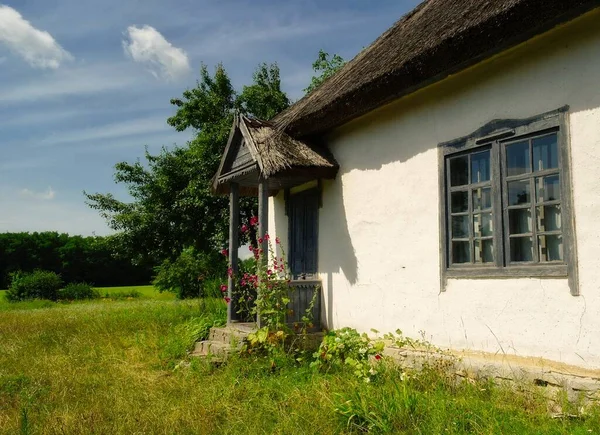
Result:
pixel 461 252
pixel 519 221
pixel 482 198
pixel 551 248
pixel 548 188
pixel 482 225
pixel 545 152
pixel 460 202
pixel 484 251
pixel 480 167
pixel 460 227
pixel 517 158
pixel 549 218
pixel 519 192
pixel 521 249
pixel 459 171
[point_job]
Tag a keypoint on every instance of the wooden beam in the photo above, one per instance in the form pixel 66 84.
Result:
pixel 234 223
pixel 263 223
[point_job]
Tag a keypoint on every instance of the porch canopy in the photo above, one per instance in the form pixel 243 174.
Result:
pixel 259 160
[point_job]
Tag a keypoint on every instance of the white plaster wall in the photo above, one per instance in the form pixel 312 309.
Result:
pixel 379 227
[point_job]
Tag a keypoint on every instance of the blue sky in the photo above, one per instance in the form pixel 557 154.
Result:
pixel 86 84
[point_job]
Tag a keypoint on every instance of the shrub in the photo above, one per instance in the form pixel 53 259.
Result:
pixel 40 284
pixel 188 275
pixel 122 295
pixel 78 291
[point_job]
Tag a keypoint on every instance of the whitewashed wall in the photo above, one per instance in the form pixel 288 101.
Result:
pixel 379 227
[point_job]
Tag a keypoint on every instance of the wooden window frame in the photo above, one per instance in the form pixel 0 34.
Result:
pixel 495 135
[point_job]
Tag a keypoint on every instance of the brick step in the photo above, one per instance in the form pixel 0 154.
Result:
pixel 228 335
pixel 207 347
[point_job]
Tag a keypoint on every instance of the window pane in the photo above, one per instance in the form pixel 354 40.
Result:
pixel 548 188
pixel 461 252
pixel 549 218
pixel 482 225
pixel 545 152
pixel 551 248
pixel 480 167
pixel 460 202
pixel 482 198
pixel 519 192
pixel 460 227
pixel 517 158
pixel 459 171
pixel 521 249
pixel 484 251
pixel 519 221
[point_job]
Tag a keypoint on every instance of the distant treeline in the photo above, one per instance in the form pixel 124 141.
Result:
pixel 95 260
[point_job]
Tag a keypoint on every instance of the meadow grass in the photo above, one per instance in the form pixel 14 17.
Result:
pixel 121 367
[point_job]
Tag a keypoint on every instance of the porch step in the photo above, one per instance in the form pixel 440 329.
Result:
pixel 223 341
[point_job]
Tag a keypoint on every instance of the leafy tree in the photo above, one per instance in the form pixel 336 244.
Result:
pixel 172 206
pixel 324 67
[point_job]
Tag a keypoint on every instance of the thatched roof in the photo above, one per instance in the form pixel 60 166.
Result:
pixel 277 151
pixel 436 39
pixel 257 149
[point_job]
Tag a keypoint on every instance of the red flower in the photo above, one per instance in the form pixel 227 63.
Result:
pixel 230 272
pixel 227 300
pixel 223 288
pixel 269 272
pixel 277 240
pixel 245 276
pixel 253 221
pixel 244 228
pixel 377 357
pixel 225 253
pixel 267 237
pixel 243 282
pixel 260 240
pixel 251 248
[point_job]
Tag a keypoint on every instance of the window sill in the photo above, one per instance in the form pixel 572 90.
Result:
pixel 549 271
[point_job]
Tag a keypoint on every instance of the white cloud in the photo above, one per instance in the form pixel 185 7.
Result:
pixel 48 195
pixel 147 46
pixel 37 47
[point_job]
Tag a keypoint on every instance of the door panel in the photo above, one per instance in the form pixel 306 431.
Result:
pixel 303 218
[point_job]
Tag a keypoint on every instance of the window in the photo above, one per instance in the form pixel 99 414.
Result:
pixel 506 201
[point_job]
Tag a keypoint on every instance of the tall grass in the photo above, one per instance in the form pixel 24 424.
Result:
pixel 116 367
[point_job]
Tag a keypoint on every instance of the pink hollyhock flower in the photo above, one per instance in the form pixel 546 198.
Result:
pixel 260 240
pixel 229 271
pixel 227 300
pixel 277 240
pixel 267 237
pixel 244 228
pixel 253 221
pixel 269 272
pixel 245 276
pixel 223 288
pixel 225 253
pixel 243 282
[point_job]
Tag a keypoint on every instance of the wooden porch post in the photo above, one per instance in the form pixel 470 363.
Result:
pixel 234 222
pixel 263 223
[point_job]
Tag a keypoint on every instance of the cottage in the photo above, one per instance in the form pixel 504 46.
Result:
pixel 446 180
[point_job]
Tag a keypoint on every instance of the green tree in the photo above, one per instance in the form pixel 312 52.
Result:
pixel 172 206
pixel 324 67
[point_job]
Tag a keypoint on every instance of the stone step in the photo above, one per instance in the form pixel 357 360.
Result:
pixel 228 335
pixel 206 348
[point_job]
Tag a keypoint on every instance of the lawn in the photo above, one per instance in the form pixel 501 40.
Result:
pixel 120 366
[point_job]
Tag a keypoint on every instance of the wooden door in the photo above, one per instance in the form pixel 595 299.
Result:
pixel 303 216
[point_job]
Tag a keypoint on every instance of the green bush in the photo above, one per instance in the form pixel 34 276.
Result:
pixel 192 274
pixel 40 284
pixel 121 295
pixel 78 291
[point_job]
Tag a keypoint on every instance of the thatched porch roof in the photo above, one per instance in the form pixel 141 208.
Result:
pixel 257 150
pixel 436 39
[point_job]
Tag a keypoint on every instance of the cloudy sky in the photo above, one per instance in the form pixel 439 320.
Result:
pixel 86 84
